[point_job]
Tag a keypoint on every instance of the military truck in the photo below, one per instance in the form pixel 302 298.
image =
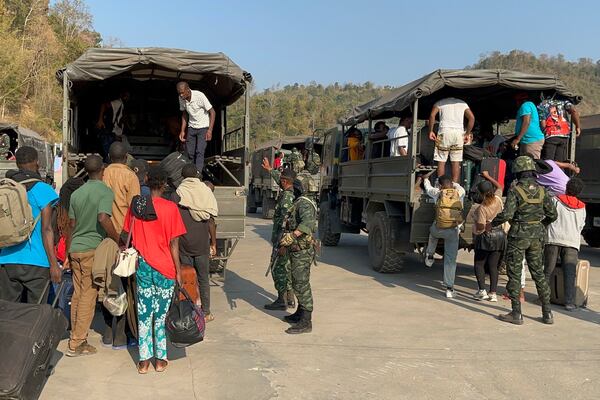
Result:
pixel 263 190
pixel 20 136
pixel 588 154
pixel 381 195
pixel 152 118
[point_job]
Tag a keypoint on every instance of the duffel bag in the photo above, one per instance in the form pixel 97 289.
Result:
pixel 185 320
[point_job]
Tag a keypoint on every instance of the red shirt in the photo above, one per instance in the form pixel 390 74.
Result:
pixel 152 238
pixel 277 163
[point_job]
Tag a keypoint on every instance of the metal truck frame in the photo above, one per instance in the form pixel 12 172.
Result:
pixel 216 75
pixel 380 195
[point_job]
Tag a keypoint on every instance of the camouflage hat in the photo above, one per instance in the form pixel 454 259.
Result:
pixel 522 164
pixel 288 174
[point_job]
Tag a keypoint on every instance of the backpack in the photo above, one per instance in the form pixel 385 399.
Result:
pixel 16 217
pixel 448 213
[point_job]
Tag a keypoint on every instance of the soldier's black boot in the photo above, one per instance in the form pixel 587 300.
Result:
pixel 295 317
pixel 515 316
pixel 303 326
pixel 547 317
pixel 291 300
pixel 278 304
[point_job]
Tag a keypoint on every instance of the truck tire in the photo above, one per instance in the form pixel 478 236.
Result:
pixel 592 237
pixel 325 235
pixel 268 207
pixel 384 258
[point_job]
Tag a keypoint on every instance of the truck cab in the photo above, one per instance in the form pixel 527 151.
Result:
pixel 588 153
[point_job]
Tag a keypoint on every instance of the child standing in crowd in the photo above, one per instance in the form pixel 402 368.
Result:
pixel 156 225
pixel 449 205
pixel 564 238
pixel 489 246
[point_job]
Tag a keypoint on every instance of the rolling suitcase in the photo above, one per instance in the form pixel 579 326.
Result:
pixel 29 334
pixel 190 283
pixel 557 288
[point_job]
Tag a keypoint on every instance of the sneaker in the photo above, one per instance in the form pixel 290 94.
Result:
pixel 481 295
pixel 450 294
pixel 428 260
pixel 493 297
pixel 571 307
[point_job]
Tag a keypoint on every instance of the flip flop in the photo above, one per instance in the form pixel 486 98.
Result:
pixel 161 368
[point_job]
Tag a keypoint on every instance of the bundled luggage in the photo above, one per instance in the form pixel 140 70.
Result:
pixel 173 164
pixel 29 334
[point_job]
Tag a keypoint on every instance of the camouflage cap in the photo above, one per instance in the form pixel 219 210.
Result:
pixel 522 164
pixel 288 174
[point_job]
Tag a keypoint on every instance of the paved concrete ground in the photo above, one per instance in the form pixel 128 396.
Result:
pixel 375 337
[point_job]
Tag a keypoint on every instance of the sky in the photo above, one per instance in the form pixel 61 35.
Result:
pixel 383 41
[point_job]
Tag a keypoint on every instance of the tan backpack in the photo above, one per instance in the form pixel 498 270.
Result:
pixel 448 209
pixel 16 218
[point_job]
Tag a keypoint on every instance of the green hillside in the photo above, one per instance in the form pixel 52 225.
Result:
pixel 296 109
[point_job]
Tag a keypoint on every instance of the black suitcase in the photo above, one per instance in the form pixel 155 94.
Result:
pixel 173 164
pixel 29 334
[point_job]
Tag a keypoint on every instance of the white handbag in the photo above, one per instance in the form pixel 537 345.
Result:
pixel 128 258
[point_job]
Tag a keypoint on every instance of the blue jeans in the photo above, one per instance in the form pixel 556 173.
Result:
pixel 154 295
pixel 195 146
pixel 450 236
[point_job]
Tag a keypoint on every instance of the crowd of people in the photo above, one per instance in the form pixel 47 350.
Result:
pixel 82 231
pixel 541 221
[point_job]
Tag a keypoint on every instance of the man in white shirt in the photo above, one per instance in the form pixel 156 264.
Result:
pixel 198 119
pixel 399 137
pixel 451 133
pixel 112 129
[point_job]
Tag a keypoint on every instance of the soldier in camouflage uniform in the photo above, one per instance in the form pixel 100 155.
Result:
pixel 313 160
pixel 296 160
pixel 280 270
pixel 529 209
pixel 299 244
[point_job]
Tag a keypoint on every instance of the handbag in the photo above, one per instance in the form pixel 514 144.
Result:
pixel 116 304
pixel 128 258
pixel 184 323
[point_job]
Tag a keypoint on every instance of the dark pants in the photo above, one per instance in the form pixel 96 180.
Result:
pixel 487 261
pixel 24 283
pixel 201 265
pixel 568 260
pixel 556 149
pixel 195 145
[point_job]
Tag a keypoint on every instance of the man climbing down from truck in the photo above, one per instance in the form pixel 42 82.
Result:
pixel 197 122
pixel 280 260
pixel 451 134
pixel 448 220
pixel 564 238
pixel 528 209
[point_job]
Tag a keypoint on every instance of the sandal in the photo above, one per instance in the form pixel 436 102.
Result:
pixel 209 317
pixel 161 365
pixel 143 367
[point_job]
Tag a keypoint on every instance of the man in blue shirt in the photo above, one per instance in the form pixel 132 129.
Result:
pixel 530 137
pixel 25 268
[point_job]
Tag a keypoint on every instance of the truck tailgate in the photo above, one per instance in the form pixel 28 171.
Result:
pixel 232 211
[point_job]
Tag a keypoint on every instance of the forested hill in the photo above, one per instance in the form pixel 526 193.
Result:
pixel 295 109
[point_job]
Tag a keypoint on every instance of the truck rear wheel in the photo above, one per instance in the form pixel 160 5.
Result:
pixel 592 237
pixel 268 207
pixel 325 235
pixel 384 258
